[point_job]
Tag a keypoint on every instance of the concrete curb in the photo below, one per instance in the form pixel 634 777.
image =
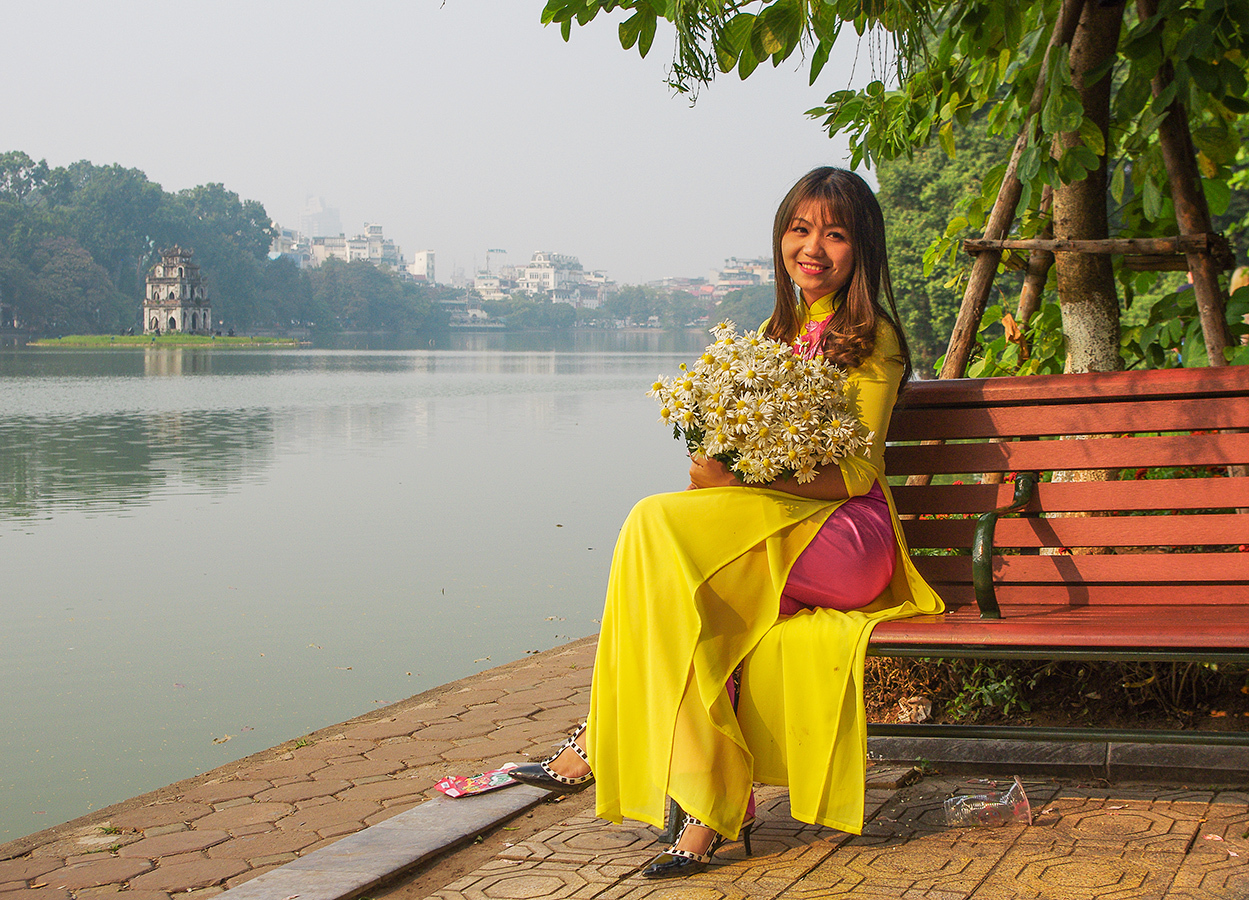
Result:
pixel 360 861
pixel 1203 764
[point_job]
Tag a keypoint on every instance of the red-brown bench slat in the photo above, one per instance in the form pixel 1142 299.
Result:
pixel 1146 494
pixel 1064 627
pixel 1084 418
pixel 1094 453
pixel 1091 531
pixel 1158 568
pixel 1042 390
pixel 1077 594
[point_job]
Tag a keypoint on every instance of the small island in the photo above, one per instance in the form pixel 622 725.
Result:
pixel 176 313
pixel 96 341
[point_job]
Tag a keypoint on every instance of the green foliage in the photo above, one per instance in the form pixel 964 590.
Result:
pixel 1039 351
pixel 956 65
pixel 1170 335
pixel 917 195
pixel 77 242
pixel 992 685
pixel 748 307
pixel 523 310
pixel 638 303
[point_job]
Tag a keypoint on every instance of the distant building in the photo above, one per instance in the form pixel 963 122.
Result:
pixel 422 266
pixel 742 273
pixel 560 277
pixel 318 220
pixel 176 299
pixel 372 247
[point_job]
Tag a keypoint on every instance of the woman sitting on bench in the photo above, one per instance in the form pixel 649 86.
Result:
pixel 699 578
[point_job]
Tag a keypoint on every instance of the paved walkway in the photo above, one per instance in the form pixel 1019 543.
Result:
pixel 291 822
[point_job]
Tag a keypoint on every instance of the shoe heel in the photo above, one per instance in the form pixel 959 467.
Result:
pixel 746 836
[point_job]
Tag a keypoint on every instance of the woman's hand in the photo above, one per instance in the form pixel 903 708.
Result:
pixel 706 473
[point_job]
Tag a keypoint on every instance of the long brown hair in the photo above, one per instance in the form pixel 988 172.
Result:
pixel 850 335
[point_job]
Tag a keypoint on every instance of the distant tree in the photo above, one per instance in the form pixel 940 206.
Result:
pixel 20 175
pixel 748 306
pixel 72 293
pixel 917 194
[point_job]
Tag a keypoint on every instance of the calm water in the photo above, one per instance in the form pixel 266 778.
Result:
pixel 205 553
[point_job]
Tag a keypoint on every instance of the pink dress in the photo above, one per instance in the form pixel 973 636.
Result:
pixel 851 560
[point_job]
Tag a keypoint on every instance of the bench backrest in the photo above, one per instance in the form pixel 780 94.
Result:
pixel 1139 512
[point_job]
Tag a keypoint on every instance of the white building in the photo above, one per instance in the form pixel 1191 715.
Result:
pixel 421 267
pixel 372 247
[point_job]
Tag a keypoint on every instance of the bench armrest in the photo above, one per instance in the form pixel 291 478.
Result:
pixel 982 548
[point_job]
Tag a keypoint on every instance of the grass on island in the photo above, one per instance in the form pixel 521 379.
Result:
pixel 164 340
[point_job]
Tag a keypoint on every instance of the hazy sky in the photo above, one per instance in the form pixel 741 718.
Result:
pixel 458 126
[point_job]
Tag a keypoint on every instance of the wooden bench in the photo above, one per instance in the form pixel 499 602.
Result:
pixel 1171 580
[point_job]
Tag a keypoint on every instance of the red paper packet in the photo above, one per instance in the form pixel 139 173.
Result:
pixel 460 786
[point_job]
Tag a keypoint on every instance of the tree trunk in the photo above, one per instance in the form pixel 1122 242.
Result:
pixel 1087 292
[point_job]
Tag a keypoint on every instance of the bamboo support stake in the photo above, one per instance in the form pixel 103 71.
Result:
pixel 1039 264
pixel 983 270
pixel 1191 211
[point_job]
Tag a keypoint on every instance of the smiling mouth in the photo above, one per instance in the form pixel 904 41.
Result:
pixel 812 268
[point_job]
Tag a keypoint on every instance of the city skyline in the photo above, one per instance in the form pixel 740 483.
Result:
pixel 460 127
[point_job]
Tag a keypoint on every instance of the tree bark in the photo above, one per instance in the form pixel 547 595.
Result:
pixel 1087 293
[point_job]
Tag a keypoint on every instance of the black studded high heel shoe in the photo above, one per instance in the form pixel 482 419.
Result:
pixel 677 863
pixel 541 774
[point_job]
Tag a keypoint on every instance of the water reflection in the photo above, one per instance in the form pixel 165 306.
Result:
pixel 257 544
pixel 114 461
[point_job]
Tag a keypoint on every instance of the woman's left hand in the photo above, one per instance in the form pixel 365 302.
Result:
pixel 706 473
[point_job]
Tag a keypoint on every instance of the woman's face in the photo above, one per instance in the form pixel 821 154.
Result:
pixel 817 252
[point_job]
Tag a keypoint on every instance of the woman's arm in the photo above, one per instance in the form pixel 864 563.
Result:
pixel 828 484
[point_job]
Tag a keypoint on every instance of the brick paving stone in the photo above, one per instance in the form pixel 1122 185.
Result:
pixel 332 748
pixel 360 769
pixel 173 844
pixel 110 889
pixel 223 791
pixel 282 768
pixel 37 894
pixel 189 876
pixel 99 871
pixel 414 753
pixel 26 869
pixel 376 731
pixel 491 756
pixel 450 730
pixel 158 830
pixel 390 789
pixel 145 817
pixel 1210 875
pixel 303 790
pixel 260 845
pixel 321 817
pixel 520 881
pixel 239 816
pixel 1063 870
pixel 314 801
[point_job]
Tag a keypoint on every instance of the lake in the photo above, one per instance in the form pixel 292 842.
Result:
pixel 206 553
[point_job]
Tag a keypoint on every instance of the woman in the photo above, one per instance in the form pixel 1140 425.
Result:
pixel 700 577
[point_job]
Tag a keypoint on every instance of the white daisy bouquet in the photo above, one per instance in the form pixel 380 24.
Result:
pixel 761 409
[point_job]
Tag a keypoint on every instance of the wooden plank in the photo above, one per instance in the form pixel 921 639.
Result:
pixel 1097 531
pixel 1146 494
pixel 1084 418
pixel 1158 568
pixel 1095 453
pixel 1064 627
pixel 1013 596
pixel 1158 384
pixel 1201 242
